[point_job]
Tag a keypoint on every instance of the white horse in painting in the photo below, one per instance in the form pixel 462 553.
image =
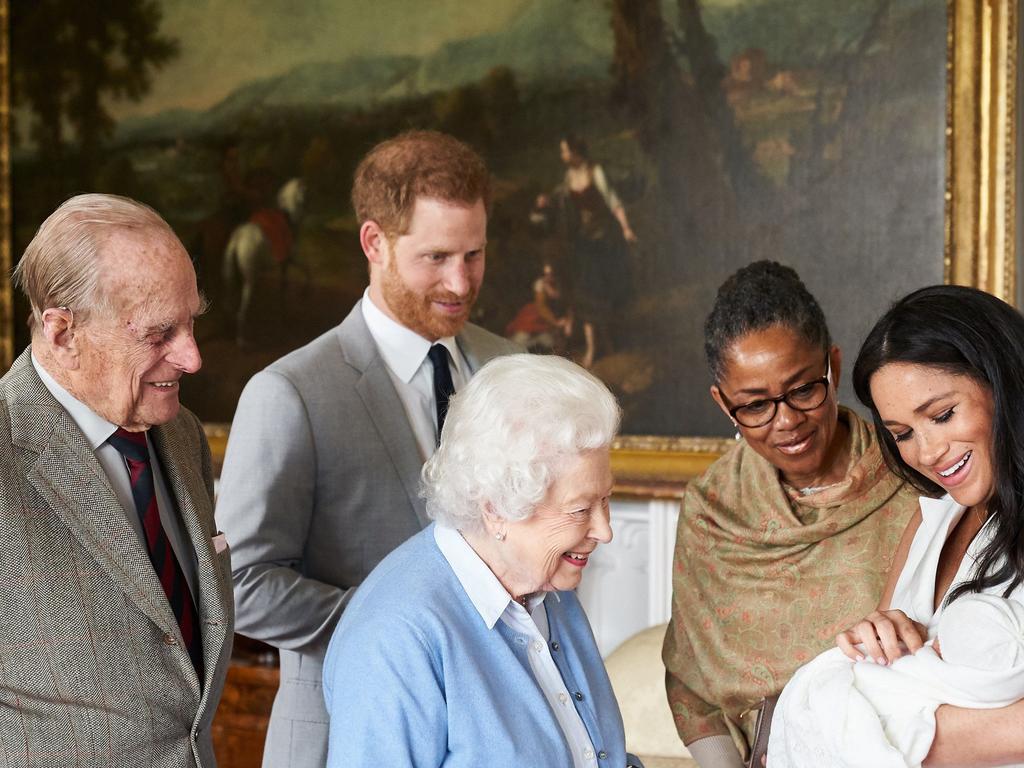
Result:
pixel 249 251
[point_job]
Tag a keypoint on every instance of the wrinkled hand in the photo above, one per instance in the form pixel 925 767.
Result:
pixel 880 633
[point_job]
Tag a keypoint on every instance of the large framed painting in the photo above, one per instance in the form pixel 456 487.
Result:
pixel 869 144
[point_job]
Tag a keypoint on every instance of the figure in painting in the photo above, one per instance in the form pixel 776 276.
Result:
pixel 594 225
pixel 546 323
pixel 268 237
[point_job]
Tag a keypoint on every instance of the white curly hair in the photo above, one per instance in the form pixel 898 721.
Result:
pixel 507 432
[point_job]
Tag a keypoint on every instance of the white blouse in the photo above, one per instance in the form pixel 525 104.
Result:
pixel 915 589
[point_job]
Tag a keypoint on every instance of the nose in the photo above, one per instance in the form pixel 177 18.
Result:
pixel 932 447
pixel 786 416
pixel 457 277
pixel 601 528
pixel 185 354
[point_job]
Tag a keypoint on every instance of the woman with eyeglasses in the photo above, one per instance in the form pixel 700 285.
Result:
pixel 787 538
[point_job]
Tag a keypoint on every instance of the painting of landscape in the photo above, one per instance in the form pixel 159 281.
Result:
pixel 806 131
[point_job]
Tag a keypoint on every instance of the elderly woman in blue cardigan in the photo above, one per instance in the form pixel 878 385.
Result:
pixel 467 646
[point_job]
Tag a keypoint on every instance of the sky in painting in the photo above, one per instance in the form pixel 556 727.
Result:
pixel 226 43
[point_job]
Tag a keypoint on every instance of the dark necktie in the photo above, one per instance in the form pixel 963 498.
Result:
pixel 132 446
pixel 443 387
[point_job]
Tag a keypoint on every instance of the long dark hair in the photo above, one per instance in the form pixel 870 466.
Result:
pixel 966 332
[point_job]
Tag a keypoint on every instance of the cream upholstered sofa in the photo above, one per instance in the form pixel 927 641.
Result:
pixel 638 677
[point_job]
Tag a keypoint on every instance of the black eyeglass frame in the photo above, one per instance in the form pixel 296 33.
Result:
pixel 784 397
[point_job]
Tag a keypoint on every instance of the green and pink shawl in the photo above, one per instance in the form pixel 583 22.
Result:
pixel 764 578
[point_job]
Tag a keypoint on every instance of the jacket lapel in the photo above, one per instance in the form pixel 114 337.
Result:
pixel 385 408
pixel 179 463
pixel 69 478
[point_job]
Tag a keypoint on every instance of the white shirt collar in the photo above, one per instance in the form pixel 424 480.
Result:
pixel 486 593
pixel 403 349
pixel 95 428
pixel 936 512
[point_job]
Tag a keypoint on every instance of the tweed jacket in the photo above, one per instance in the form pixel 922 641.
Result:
pixel 320 483
pixel 93 669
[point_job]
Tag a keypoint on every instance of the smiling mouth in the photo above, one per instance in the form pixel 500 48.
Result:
pixel 579 559
pixel 163 384
pixel 452 307
pixel 795 447
pixel 956 471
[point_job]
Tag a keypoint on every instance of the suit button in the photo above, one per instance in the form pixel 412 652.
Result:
pixel 554 645
pixel 578 695
pixel 170 640
pixel 602 755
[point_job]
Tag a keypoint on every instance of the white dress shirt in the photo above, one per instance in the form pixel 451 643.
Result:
pixel 97 430
pixel 493 602
pixel 405 356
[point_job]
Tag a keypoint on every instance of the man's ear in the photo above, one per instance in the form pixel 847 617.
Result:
pixel 374 242
pixel 59 330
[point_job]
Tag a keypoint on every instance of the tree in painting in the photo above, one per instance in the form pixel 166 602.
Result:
pixel 81 56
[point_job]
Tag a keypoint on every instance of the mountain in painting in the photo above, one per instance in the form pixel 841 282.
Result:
pixel 550 41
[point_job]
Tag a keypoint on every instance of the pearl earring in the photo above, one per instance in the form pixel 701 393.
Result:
pixel 499 536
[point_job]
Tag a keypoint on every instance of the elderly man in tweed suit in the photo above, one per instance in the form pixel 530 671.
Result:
pixel 115 600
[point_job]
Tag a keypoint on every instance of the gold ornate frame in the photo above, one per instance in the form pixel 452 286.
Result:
pixel 981 166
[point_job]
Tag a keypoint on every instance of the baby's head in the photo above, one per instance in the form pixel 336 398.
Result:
pixel 983 631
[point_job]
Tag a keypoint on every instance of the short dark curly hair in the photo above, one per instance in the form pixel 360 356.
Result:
pixel 758 296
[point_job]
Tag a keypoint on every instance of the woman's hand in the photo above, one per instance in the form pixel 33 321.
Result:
pixel 880 634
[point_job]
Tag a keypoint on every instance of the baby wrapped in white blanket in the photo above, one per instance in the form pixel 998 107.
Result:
pixel 838 712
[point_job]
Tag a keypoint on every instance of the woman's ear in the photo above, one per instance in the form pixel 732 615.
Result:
pixel 716 395
pixel 835 358
pixel 494 523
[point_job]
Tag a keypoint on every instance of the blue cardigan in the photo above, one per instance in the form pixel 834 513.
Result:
pixel 413 677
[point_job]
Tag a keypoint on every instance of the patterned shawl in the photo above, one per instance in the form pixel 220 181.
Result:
pixel 764 578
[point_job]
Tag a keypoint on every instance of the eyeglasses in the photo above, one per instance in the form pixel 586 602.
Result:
pixel 806 397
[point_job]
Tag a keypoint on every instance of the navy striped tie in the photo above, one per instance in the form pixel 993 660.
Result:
pixel 443 386
pixel 132 446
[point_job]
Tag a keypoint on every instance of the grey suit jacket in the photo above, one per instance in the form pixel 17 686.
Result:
pixel 320 482
pixel 93 669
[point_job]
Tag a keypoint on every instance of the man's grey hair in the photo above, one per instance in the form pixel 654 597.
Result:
pixel 61 266
pixel 507 434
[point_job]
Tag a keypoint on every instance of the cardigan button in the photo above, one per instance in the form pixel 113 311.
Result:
pixel 554 645
pixel 578 695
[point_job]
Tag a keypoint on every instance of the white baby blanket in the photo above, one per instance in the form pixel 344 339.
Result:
pixel 837 712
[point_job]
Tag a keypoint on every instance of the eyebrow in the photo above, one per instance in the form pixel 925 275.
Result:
pixel 787 383
pixel 204 306
pixel 926 405
pixel 448 252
